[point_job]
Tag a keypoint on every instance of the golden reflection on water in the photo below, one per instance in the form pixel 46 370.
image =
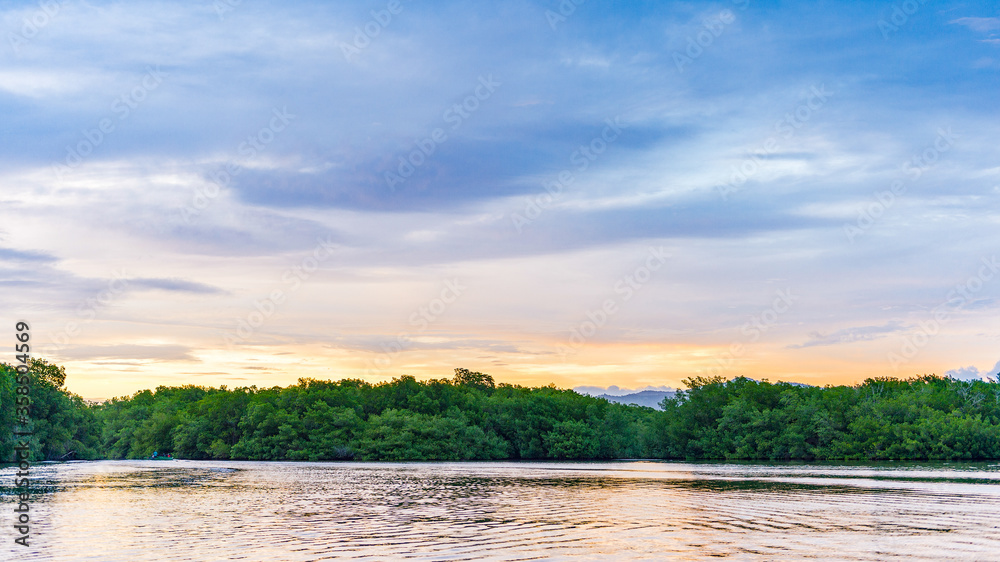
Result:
pixel 190 510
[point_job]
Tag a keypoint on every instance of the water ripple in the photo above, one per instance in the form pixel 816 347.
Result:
pixel 203 511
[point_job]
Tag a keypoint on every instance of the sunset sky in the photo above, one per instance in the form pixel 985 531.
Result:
pixel 246 192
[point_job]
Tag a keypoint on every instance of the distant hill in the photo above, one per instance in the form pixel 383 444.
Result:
pixel 651 398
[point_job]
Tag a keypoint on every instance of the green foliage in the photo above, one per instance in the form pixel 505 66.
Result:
pixel 398 435
pixel 473 379
pixel 923 418
pixel 571 440
pixel 470 417
pixel 46 374
pixel 61 423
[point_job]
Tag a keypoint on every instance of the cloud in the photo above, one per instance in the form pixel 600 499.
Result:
pixel 851 335
pixel 972 373
pixel 982 25
pixel 177 285
pixel 413 339
pixel 977 304
pixel 20 255
pixel 39 84
pixel 114 353
pixel 614 390
pixel 507 161
pixel 995 371
pixel 969 373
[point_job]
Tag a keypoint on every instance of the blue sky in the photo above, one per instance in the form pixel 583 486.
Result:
pixel 595 194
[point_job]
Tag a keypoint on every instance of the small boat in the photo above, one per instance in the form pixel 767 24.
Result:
pixel 159 457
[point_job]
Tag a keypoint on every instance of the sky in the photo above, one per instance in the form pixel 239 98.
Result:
pixel 588 194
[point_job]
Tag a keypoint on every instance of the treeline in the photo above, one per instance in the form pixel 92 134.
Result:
pixel 470 417
pixel 922 418
pixel 465 418
pixel 59 421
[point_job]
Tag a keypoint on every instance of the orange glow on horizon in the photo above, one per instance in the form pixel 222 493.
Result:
pixel 626 366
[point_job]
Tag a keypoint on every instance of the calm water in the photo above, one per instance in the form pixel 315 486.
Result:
pixel 189 510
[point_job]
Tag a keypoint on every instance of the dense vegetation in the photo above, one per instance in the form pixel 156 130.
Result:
pixel 926 417
pixel 470 417
pixel 61 421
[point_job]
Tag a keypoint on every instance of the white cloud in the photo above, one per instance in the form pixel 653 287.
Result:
pixel 969 373
pixel 981 25
pixel 36 83
pixel 614 390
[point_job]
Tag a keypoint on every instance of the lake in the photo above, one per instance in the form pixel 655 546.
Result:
pixel 126 511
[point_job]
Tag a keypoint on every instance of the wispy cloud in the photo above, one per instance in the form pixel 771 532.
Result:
pixel 178 285
pixel 982 25
pixel 128 352
pixel 22 255
pixel 850 335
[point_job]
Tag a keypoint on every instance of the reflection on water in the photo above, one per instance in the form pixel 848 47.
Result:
pixel 190 510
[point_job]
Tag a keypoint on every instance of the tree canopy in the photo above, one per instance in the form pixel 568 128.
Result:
pixel 471 417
